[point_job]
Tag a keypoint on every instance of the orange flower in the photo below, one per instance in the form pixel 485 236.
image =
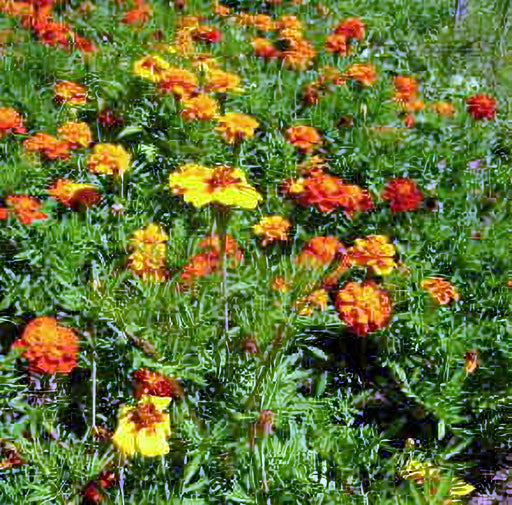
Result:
pixel 222 82
pixel 212 244
pixel 235 126
pixel 364 307
pixel 10 122
pixel 148 382
pixel 205 33
pixel 337 43
pixel 306 305
pixel 444 109
pixel 200 108
pixel 221 10
pixel 26 208
pixel 374 251
pixel 49 146
pixel 403 194
pixel 440 289
pixel 319 252
pixel 75 195
pixel 70 93
pixel 264 48
pixel 280 285
pixel 298 53
pixel 152 68
pixel 179 81
pixel 406 88
pixel 76 133
pixel 351 28
pixel 48 347
pixel 304 138
pixel 140 15
pixel 272 228
pixel 362 73
pixel 481 106
pixel 471 361
pixel 109 159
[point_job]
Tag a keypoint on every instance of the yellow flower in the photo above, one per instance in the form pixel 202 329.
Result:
pixel 374 251
pixel 236 126
pixel 153 68
pixel 144 428
pixel 201 185
pixel 272 228
pixel 221 82
pixel 200 108
pixel 109 159
pixel 306 305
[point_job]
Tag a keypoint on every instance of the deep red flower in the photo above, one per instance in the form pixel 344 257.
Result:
pixel 481 106
pixel 403 194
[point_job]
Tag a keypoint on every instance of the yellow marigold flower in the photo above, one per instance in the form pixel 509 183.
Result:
pixel 71 93
pixel 440 289
pixel 272 228
pixel 221 10
pixel 299 53
pixel 109 159
pixel 318 299
pixel 362 73
pixel 200 108
pixel 374 251
pixel 222 82
pixel 444 109
pixel 289 22
pixel 152 67
pixel 235 126
pixel 76 133
pixel 144 428
pixel 75 195
pixel 179 81
pixel 149 255
pixel 201 186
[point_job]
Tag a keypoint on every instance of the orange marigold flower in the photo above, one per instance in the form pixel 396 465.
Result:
pixel 471 361
pixel 444 109
pixel 351 28
pixel 75 195
pixel 363 306
pixel 481 106
pixel 205 33
pixel 48 347
pixel 272 228
pixel 4 213
pixel 374 251
pixel 320 252
pixel 298 53
pixel 11 121
pixel 280 285
pixel 264 48
pixel 289 21
pixel 109 159
pixel 148 382
pixel 403 194
pixel 337 43
pixel 179 81
pixel 48 145
pixel 140 15
pixel 303 137
pixel 221 10
pixel 440 289
pixel 26 208
pixel 406 88
pixel 152 68
pixel 362 73
pixel 70 93
pixel 212 243
pixel 200 108
pixel 149 255
pixel 222 82
pixel 76 133
pixel 235 126
pixel 317 300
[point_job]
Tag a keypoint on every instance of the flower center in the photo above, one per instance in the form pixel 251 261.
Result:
pixel 221 178
pixel 146 416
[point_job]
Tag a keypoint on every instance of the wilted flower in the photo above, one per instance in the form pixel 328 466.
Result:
pixel 235 126
pixel 26 208
pixel 74 194
pixel 70 93
pixel 272 228
pixel 48 347
pixel 304 138
pixel 11 121
pixel 481 106
pixel 363 306
pixel 111 159
pixel 403 194
pixel 440 289
pixel 472 362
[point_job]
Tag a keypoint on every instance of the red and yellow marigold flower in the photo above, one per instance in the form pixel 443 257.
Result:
pixel 264 48
pixel 363 306
pixel 225 185
pixel 11 121
pixel 444 109
pixel 351 28
pixel 320 252
pixel 148 382
pixel 220 81
pixel 338 44
pixel 206 33
pixel 152 68
pixel 305 138
pixel 179 81
pixel 200 108
pixel 74 194
pixel 144 428
pixel 76 133
pixel 48 347
pixel 149 253
pixel 374 251
pixel 235 127
pixel 48 145
pixel 317 300
pixel 440 290
pixel 299 53
pixel 272 228
pixel 481 106
pixel 403 194
pixel 362 73
pixel 471 361
pixel 26 208
pixel 70 93
pixel 111 159
pixel 141 14
pixel 406 88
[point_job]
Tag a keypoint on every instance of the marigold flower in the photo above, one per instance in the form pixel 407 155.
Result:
pixel 272 228
pixel 75 195
pixel 362 73
pixel 289 21
pixel 444 109
pixel 148 382
pixel 152 68
pixel 26 208
pixel 471 361
pixel 48 145
pixel 303 137
pixel 71 93
pixel 149 253
pixel 406 88
pixel 264 48
pixel 139 15
pixel 337 43
pixel 144 428
pixel 481 106
pixel 221 10
pixel 306 305
pixel 319 251
pixel 261 22
pixel 222 82
pixel 298 53
pixel 11 121
pixel 110 159
pixel 179 81
pixel 48 347
pixel 200 108
pixel 280 285
pixel 205 33
pixel 403 194
pixel 76 133
pixel 235 126
pixel 364 307
pixel 374 251
pixel 440 289
pixel 351 28
pixel 213 243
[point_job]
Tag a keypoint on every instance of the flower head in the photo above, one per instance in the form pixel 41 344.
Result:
pixel 76 133
pixel 374 251
pixel 111 159
pixel 362 73
pixel 235 126
pixel 144 428
pixel 444 109
pixel 11 121
pixel 338 44
pixel 48 347
pixel 149 253
pixel 272 228
pixel 317 300
pixel 304 138
pixel 225 185
pixel 152 68
pixel 48 145
pixel 148 382
pixel 403 194
pixel 221 82
pixel 319 251
pixel 440 289
pixel 406 88
pixel 71 93
pixel 26 208
pixel 364 307
pixel 481 106
pixel 179 81
pixel 74 194
pixel 351 28
pixel 199 108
